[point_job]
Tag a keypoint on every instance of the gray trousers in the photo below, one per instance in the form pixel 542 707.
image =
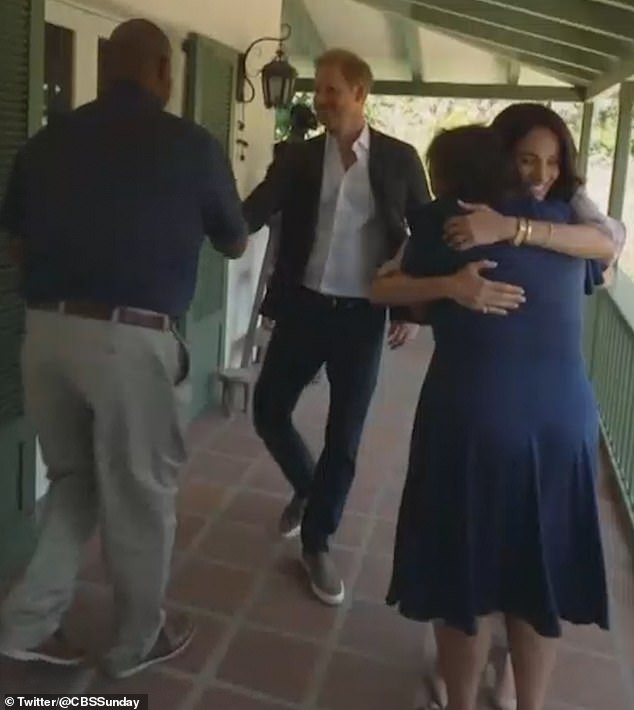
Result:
pixel 108 402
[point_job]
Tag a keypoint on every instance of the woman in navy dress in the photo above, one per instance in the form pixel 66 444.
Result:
pixel 513 125
pixel 499 510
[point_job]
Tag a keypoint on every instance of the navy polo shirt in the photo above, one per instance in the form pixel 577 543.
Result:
pixel 113 201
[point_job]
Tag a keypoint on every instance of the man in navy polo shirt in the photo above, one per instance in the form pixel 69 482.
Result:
pixel 108 209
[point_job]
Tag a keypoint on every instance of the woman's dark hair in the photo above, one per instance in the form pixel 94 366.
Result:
pixel 470 163
pixel 517 121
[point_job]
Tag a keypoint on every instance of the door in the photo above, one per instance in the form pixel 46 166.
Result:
pixel 21 101
pixel 209 100
pixel 59 50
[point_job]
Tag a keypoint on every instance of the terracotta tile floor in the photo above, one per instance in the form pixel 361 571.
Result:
pixel 262 642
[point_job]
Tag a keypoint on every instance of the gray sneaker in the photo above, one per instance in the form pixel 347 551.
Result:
pixel 325 582
pixel 291 518
pixel 173 639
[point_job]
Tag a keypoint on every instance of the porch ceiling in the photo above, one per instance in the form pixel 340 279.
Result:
pixel 504 48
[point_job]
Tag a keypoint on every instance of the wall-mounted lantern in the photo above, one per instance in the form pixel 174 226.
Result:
pixel 278 76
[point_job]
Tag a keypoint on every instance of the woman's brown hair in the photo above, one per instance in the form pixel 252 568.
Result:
pixel 517 121
pixel 470 164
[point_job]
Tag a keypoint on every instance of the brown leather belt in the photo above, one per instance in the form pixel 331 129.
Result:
pixel 97 311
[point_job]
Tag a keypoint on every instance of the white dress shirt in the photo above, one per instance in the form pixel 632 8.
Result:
pixel 349 244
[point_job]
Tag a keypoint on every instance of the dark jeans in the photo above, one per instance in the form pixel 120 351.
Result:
pixel 347 335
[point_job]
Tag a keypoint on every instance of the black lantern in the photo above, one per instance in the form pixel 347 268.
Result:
pixel 278 81
pixel 278 76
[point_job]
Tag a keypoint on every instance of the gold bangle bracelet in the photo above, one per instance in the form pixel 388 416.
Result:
pixel 529 231
pixel 518 234
pixel 518 231
pixel 522 229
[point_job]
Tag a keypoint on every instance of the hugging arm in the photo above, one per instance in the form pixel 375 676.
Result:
pixel 424 276
pixel 585 211
pixel 483 225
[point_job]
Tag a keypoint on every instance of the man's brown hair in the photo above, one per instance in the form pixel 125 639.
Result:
pixel 356 71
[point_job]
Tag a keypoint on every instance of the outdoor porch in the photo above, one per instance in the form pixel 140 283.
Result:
pixel 263 642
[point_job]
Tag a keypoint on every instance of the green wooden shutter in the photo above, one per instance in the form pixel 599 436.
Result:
pixel 210 101
pixel 21 101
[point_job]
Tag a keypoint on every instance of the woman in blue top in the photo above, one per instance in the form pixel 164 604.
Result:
pixel 513 125
pixel 499 511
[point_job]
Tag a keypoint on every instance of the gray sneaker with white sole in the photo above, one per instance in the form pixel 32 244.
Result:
pixel 324 579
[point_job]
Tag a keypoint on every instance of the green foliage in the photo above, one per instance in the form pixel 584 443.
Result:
pixel 418 119
pixel 603 138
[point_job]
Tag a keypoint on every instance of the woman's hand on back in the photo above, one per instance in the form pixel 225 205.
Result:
pixel 470 289
pixel 482 225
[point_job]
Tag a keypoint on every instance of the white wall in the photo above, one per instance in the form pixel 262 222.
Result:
pixel 235 23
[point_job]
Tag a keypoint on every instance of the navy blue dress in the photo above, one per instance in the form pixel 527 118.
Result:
pixel 499 509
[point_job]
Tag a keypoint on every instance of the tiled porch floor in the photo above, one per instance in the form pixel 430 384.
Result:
pixel 262 642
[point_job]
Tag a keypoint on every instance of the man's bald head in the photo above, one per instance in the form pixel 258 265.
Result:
pixel 139 51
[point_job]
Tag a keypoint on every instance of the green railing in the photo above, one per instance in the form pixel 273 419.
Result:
pixel 609 345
